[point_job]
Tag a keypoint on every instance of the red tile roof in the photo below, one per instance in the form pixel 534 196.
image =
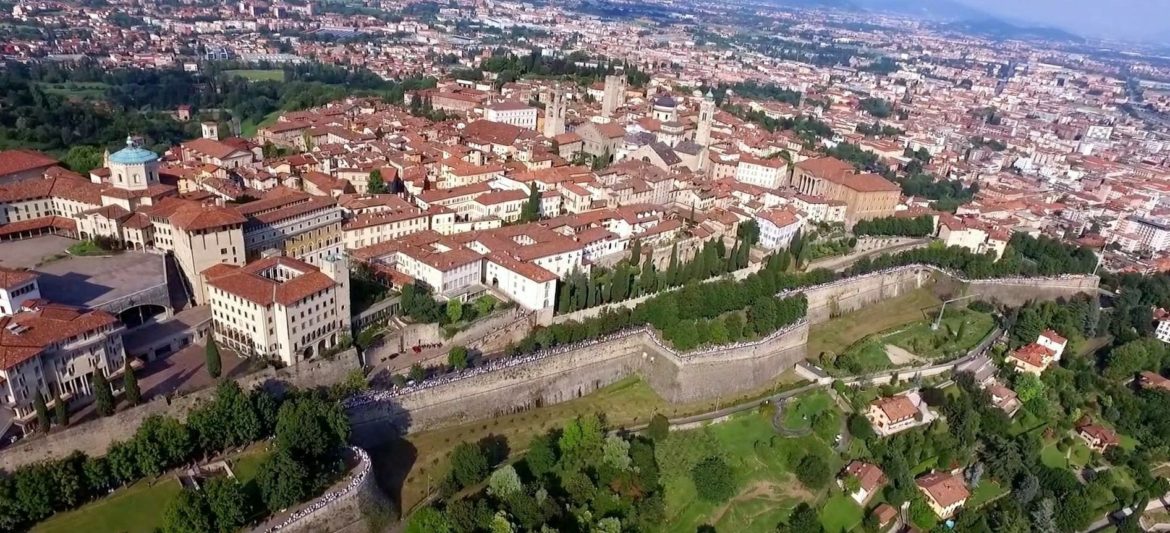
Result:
pixel 18 161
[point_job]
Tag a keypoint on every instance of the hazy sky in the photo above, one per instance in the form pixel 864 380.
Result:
pixel 1134 19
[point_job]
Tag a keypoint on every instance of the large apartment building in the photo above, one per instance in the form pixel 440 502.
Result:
pixel 279 307
pixel 52 348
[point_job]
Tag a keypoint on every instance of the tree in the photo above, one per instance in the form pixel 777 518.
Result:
pixel 130 390
pixel 310 427
pixel 469 465
pixel 428 520
pixel 803 519
pixel 417 372
pixel 615 453
pixel 1044 517
pixel 1027 486
pixel 714 480
pixel 214 364
pixel 82 159
pixel 635 252
pixel 457 357
pixel 103 395
pixel 282 481
pixel 60 410
pixel 375 184
pixel 504 482
pixel 42 412
pixel 454 311
pixel 541 457
pixel 227 502
pixel 531 210
pixel 813 471
pixel 187 513
pixel 659 427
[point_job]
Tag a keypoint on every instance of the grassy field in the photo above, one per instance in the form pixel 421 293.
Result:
pixel 960 331
pixel 140 507
pixel 987 491
pixel 767 489
pixel 799 413
pixel 248 127
pixel 1077 457
pixel 840 513
pixel 410 468
pixel 76 90
pixel 258 75
pixel 85 248
pixel 838 334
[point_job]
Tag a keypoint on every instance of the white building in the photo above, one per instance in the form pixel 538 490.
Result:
pixel 279 307
pixel 777 227
pixel 17 287
pixel 53 348
pixel 514 113
pixel 766 173
pixel 1153 235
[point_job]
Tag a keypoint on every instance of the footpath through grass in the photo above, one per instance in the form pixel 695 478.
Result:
pixel 139 508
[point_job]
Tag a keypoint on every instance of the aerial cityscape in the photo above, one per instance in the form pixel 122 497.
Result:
pixel 802 266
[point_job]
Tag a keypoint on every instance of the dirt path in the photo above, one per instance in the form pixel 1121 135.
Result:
pixel 763 490
pixel 900 356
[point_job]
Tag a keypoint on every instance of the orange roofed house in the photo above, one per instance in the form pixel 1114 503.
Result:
pixel 892 414
pixel 945 493
pixel 869 477
pixel 1099 438
pixel 1035 358
pixel 280 307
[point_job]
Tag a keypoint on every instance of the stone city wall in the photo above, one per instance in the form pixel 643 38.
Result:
pixel 95 436
pixel 850 294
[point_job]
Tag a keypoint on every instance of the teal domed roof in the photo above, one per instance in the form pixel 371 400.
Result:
pixel 133 154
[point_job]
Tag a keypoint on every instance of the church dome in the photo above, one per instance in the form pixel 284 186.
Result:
pixel 133 154
pixel 665 100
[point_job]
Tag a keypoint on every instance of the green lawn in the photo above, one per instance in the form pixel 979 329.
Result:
pixel 248 127
pixel 959 331
pixel 840 513
pixel 799 413
pixel 139 507
pixel 258 75
pixel 85 248
pixel 834 336
pixel 1077 458
pixel 77 90
pixel 987 490
pixel 766 488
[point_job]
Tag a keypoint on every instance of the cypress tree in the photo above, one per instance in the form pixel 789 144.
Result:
pixel 636 252
pixel 214 363
pixel 648 281
pixel 531 209
pixel 42 412
pixel 563 297
pixel 130 384
pixel 101 391
pixel 60 410
pixel 672 271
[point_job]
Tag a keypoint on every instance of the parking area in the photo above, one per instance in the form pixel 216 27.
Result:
pixel 186 371
pixel 94 281
pixel 29 253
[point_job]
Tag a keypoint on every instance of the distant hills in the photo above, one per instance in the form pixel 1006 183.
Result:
pixel 994 28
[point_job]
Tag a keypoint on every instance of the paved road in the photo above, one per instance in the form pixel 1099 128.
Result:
pixel 1153 505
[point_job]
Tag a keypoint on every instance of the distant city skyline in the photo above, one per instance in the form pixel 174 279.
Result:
pixel 1116 19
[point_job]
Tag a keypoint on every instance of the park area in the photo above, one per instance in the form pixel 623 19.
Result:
pixel 140 506
pixel 409 469
pixel 765 467
pixel 908 339
pixel 258 74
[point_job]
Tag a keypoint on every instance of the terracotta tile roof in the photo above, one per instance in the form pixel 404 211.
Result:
pixel 1053 336
pixel 192 216
pixel 1106 436
pixel 944 488
pixel 869 183
pixel 897 408
pixel 868 474
pixel 250 283
pixel 42 223
pixel 211 147
pixel 27 334
pixel 1033 354
pixel 825 167
pixel 10 278
pixel 1154 380
pixel 18 161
